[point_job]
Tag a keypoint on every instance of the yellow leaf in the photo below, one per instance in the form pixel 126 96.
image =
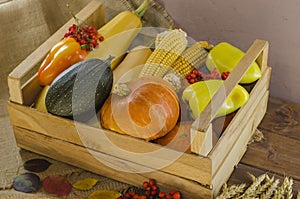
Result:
pixel 85 184
pixel 104 194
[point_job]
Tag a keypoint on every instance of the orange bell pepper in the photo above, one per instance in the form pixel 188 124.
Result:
pixel 63 55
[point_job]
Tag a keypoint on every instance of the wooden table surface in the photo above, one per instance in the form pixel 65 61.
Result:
pixel 278 154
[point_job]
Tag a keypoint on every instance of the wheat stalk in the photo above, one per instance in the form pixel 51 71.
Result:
pixel 232 191
pixel 250 192
pixel 285 190
pixel 269 192
pixel 265 186
pixel 223 193
pixel 280 192
pixel 258 136
pixel 262 187
pixel 289 190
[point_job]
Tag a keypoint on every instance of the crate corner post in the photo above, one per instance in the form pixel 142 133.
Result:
pixel 201 141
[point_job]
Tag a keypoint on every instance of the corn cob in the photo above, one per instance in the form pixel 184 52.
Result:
pixel 192 58
pixel 168 49
pixel 160 37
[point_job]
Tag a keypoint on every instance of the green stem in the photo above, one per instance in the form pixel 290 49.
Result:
pixel 72 14
pixel 140 11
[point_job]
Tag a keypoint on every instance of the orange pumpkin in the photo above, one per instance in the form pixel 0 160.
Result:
pixel 178 138
pixel 149 110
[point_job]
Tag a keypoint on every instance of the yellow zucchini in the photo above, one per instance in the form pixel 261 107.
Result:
pixel 118 34
pixel 40 102
pixel 135 57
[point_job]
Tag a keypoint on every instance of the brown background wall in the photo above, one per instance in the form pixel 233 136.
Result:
pixel 240 22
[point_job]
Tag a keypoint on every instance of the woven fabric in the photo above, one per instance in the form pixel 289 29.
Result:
pixel 72 174
pixel 156 15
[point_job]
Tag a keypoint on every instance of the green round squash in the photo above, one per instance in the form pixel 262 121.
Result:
pixel 80 91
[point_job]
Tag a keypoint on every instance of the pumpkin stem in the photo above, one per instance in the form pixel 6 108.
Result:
pixel 121 89
pixel 174 80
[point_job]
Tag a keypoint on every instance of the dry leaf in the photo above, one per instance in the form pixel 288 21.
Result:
pixel 36 165
pixel 105 194
pixel 57 185
pixel 27 182
pixel 85 184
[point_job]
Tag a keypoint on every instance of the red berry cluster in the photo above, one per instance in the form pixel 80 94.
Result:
pixel 196 76
pixel 224 75
pixel 151 191
pixel 85 35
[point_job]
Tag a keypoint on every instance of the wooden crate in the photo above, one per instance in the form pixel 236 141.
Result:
pixel 197 175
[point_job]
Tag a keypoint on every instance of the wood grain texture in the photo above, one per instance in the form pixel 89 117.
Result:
pixel 185 165
pixel 240 146
pixel 279 151
pixel 99 163
pixel 276 153
pixel 232 132
pixel 282 118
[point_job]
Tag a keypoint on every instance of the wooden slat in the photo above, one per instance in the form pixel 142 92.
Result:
pixel 181 164
pixel 97 162
pixel 276 153
pixel 27 67
pixel 262 59
pixel 233 130
pixel 201 142
pixel 204 120
pixel 30 90
pixel 239 148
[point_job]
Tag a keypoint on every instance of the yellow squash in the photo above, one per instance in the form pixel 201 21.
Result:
pixel 118 34
pixel 40 101
pixel 130 66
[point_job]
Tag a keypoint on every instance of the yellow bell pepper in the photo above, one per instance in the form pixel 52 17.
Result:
pixel 198 95
pixel 225 57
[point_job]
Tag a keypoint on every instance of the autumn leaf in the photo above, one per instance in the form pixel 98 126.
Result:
pixel 57 185
pixel 85 184
pixel 27 182
pixel 104 194
pixel 37 165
